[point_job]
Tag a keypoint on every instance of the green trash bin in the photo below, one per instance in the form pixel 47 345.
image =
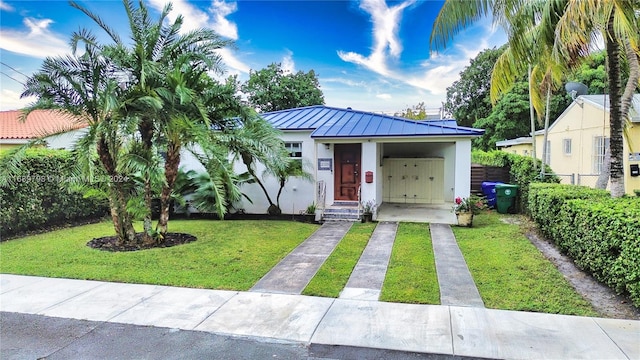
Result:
pixel 506 198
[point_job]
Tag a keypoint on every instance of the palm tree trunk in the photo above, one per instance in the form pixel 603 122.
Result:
pixel 146 133
pixel 615 115
pixel 171 166
pixel 122 221
pixel 248 163
pixel 533 126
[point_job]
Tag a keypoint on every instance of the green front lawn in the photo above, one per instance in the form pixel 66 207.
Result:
pixel 411 277
pixel 511 273
pixel 334 274
pixel 227 255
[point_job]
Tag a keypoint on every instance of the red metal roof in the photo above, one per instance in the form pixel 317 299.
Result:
pixel 39 123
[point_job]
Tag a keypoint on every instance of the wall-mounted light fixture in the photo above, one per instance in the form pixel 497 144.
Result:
pixel 327 146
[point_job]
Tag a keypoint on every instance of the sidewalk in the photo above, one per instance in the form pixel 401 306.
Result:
pixel 328 325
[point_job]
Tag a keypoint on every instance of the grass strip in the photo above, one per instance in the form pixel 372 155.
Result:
pixel 227 255
pixel 511 273
pixel 334 274
pixel 411 276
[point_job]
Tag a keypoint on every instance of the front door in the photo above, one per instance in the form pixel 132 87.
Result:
pixel 347 176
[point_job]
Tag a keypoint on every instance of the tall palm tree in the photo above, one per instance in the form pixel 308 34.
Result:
pixel 164 69
pixel 571 26
pixel 85 86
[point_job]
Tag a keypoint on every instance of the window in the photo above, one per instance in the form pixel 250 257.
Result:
pixel 566 146
pixel 295 153
pixel 600 145
pixel 294 149
pixel 547 155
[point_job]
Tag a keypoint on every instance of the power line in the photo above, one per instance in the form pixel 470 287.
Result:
pixel 11 77
pixel 14 69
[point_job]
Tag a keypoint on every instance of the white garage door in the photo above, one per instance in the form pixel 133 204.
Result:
pixel 414 181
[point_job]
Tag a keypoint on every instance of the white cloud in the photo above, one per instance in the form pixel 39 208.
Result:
pixel 10 100
pixel 5 7
pixel 288 65
pixel 236 66
pixel 386 24
pixel 194 18
pixel 221 25
pixel 37 41
pixel 384 96
pixel 434 74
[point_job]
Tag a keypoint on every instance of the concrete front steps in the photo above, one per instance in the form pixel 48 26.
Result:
pixel 342 211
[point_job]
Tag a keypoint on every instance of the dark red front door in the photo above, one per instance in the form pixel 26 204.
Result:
pixel 347 175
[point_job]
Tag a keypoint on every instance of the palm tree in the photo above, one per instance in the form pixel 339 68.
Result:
pixel 85 87
pixel 166 77
pixel 571 27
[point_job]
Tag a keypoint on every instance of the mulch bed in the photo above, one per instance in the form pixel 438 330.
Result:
pixel 108 243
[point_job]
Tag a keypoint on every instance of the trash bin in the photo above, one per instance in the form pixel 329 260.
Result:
pixel 489 191
pixel 506 198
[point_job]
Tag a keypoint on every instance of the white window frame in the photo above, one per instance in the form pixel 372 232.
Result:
pixel 566 146
pixel 600 144
pixel 294 148
pixel 547 158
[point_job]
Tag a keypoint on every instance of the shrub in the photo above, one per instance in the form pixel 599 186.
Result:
pixel 38 196
pixel 601 234
pixel 546 200
pixel 521 171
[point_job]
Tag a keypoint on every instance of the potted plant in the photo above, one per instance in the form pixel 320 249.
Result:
pixel 465 208
pixel 310 213
pixel 367 210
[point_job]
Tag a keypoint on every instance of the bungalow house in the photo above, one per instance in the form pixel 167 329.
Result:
pixel 357 157
pixel 577 141
pixel 14 132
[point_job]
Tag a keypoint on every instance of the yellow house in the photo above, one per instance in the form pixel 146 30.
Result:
pixel 578 138
pixel 520 146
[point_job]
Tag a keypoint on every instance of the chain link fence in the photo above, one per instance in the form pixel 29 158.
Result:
pixel 588 180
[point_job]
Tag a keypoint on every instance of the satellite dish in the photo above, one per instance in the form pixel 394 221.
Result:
pixel 576 89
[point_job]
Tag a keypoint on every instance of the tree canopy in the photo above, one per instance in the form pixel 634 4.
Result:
pixel 273 89
pixel 468 98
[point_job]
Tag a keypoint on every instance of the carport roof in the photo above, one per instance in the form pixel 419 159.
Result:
pixel 329 122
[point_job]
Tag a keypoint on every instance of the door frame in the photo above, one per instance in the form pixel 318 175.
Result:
pixel 338 150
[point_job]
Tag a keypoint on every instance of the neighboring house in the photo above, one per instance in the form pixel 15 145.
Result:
pixel 578 139
pixel 520 146
pixel 363 156
pixel 39 123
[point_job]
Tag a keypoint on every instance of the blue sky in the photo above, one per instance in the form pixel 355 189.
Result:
pixel 370 55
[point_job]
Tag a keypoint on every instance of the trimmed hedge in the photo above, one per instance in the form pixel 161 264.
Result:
pixel 38 197
pixel 521 171
pixel 601 234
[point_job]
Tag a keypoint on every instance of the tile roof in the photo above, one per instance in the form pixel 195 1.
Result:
pixel 329 122
pixel 38 124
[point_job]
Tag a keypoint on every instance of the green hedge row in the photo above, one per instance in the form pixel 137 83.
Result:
pixel 38 197
pixel 601 234
pixel 521 171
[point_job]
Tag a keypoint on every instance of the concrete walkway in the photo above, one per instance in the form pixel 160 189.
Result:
pixel 365 282
pixel 329 328
pixel 294 272
pixel 457 287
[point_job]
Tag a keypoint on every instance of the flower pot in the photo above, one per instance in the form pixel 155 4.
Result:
pixel 465 219
pixel 367 217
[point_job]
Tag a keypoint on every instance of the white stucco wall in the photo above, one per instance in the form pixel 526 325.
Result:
pixel 65 140
pixel 462 181
pixel 297 194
